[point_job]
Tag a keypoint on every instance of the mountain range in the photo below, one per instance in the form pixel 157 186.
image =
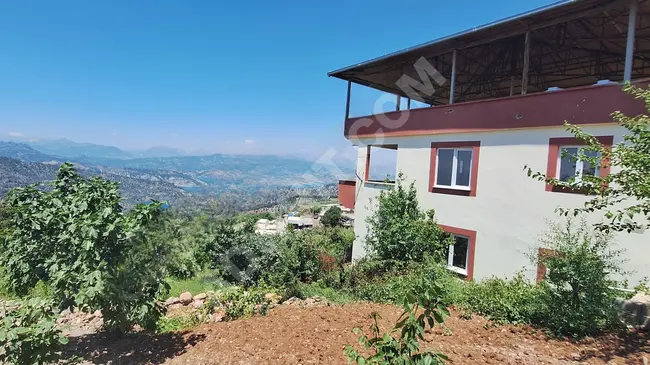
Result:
pixel 174 179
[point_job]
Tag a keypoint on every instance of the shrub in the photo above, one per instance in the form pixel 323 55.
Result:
pixel 240 303
pixel 578 287
pixel 76 238
pixel 502 301
pixel 422 308
pixel 28 333
pixel 332 217
pixel 177 323
pixel 399 230
pixel 387 281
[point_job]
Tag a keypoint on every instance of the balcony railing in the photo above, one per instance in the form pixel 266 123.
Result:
pixel 583 105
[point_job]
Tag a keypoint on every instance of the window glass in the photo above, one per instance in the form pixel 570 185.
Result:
pixel 460 249
pixel 445 165
pixel 567 163
pixel 463 167
pixel 587 168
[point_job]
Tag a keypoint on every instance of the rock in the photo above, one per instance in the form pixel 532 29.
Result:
pixel 171 301
pixel 636 311
pixel 175 306
pixel 641 298
pixel 217 316
pixel 197 304
pixel 292 301
pixel 201 296
pixel 310 302
pixel 273 298
pixel 185 298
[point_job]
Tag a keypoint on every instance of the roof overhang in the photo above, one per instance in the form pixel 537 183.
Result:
pixel 572 43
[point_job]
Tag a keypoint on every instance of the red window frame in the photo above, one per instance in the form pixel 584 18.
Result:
pixel 554 145
pixel 471 250
pixel 542 255
pixel 476 148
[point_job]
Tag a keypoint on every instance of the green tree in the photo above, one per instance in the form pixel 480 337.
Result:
pixel 579 285
pixel 76 238
pixel 399 230
pixel 623 195
pixel 332 217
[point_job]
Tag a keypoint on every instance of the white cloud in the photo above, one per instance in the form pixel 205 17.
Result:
pixel 15 134
pixel 249 142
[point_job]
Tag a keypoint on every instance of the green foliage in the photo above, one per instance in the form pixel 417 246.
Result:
pixel 332 217
pixel 502 301
pixel 175 323
pixel 624 194
pixel 28 333
pixel 240 303
pixel 387 281
pixel 399 230
pixel 202 282
pixel 423 309
pixel 577 288
pixel 315 209
pixel 76 238
pixel 321 290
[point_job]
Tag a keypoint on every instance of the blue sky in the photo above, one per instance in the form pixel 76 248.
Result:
pixel 206 76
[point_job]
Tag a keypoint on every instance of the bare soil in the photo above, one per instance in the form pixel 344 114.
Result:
pixel 291 335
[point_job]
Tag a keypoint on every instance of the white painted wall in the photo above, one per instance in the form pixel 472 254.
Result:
pixel 510 209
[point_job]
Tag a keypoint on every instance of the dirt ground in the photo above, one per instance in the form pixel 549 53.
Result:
pixel 290 335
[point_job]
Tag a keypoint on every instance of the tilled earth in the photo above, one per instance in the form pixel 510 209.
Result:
pixel 292 335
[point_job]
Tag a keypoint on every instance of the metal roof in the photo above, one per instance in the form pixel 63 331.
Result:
pixel 569 34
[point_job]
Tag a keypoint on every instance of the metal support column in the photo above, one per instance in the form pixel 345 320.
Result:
pixel 629 50
pixel 524 76
pixel 452 87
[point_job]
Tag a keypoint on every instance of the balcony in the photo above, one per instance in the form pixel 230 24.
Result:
pixel 347 193
pixel 581 105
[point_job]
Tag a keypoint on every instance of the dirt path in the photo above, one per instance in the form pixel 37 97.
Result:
pixel 291 335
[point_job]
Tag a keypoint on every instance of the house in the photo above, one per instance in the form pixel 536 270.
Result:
pixel 472 109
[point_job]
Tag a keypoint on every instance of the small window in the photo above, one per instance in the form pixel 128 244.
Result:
pixel 454 168
pixel 381 167
pixel 458 257
pixel 571 166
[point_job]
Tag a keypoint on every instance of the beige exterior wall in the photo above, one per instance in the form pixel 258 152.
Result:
pixel 510 209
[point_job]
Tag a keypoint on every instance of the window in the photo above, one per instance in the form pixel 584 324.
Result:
pixel 382 167
pixel 460 255
pixel 564 164
pixel 454 168
pixel 570 165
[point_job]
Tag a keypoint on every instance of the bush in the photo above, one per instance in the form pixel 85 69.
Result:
pixel 28 333
pixel 240 303
pixel 332 217
pixel 399 230
pixel 578 287
pixel 388 281
pixel 502 301
pixel 76 239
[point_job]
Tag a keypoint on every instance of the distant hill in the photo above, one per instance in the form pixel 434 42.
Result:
pixel 159 151
pixel 22 151
pixel 240 182
pixel 17 173
pixel 67 148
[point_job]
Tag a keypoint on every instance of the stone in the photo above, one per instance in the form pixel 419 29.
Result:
pixel 217 316
pixel 171 301
pixel 641 298
pixel 175 306
pixel 273 298
pixel 197 304
pixel 636 311
pixel 201 296
pixel 185 298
